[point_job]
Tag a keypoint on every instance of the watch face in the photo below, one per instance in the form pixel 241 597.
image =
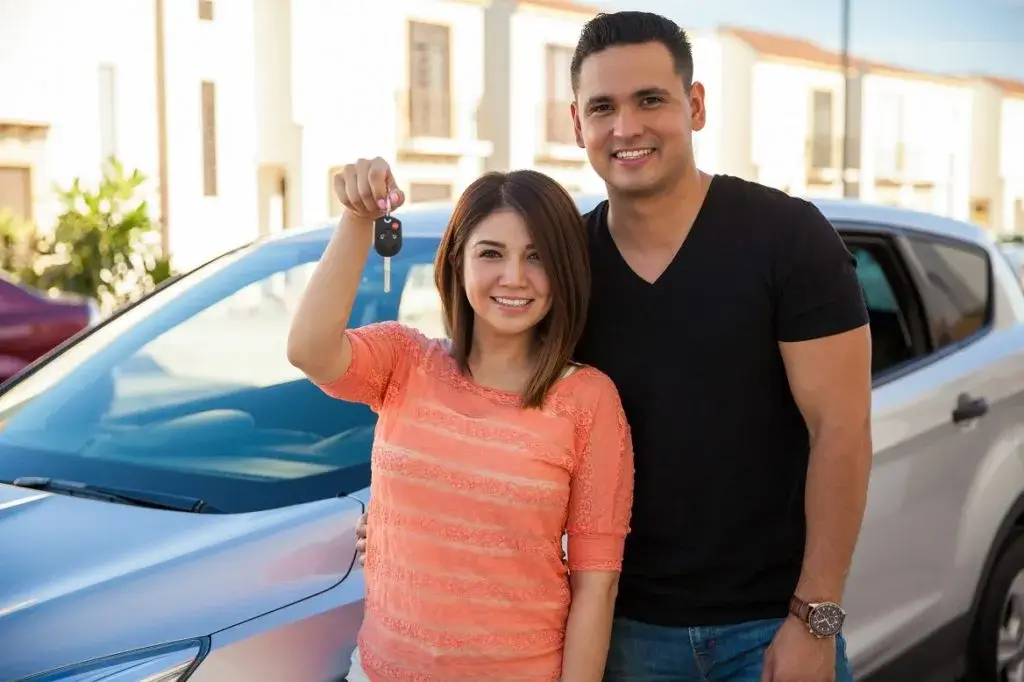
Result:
pixel 826 620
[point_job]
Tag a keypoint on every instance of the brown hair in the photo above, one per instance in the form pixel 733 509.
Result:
pixel 560 237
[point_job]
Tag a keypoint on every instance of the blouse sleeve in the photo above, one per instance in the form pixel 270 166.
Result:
pixel 601 490
pixel 381 353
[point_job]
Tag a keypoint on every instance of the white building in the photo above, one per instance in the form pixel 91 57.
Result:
pixel 997 189
pixel 1012 160
pixel 237 111
pixel 775 110
pixel 72 92
pixel 776 113
pixel 530 44
pixel 341 80
pixel 916 133
pixel 240 112
pixel 165 86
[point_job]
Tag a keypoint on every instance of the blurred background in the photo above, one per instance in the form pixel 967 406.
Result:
pixel 188 127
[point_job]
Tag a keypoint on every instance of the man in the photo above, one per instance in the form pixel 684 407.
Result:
pixel 730 318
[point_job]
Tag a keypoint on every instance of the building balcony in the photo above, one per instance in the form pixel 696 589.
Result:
pixel 823 159
pixel 900 163
pixel 438 124
pixel 556 136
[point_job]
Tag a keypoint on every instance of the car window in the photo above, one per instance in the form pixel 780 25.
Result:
pixel 191 392
pixel 420 306
pixel 878 293
pixel 958 288
pixel 895 340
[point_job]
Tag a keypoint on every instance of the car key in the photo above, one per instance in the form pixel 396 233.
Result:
pixel 387 241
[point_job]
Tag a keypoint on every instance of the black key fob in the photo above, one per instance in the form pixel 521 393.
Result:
pixel 387 236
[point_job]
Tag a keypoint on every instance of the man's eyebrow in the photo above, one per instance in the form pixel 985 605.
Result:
pixel 647 91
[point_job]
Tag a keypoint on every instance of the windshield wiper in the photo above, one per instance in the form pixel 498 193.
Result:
pixel 137 498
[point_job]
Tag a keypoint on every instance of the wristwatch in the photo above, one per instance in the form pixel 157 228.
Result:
pixel 823 619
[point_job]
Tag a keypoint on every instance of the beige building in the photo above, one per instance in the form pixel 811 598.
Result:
pixel 937 143
pixel 528 91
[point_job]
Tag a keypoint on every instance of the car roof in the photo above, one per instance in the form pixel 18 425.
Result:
pixel 428 220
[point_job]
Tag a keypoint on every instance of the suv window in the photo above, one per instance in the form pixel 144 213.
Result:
pixel 957 294
pixel 878 293
pixel 191 392
pixel 898 335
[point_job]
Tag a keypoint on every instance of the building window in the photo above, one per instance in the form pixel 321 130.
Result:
pixel 429 191
pixel 430 99
pixel 822 137
pixel 558 127
pixel 209 108
pixel 108 112
pixel 16 191
pixel 206 10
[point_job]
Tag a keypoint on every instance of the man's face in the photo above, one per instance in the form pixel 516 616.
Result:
pixel 635 119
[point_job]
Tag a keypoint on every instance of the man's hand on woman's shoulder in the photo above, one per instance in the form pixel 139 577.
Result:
pixel 361 540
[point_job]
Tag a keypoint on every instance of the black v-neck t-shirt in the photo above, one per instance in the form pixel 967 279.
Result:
pixel 721 449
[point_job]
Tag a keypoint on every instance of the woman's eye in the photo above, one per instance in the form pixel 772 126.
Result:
pixel 489 253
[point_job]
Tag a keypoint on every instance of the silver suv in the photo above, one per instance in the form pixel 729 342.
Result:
pixel 936 590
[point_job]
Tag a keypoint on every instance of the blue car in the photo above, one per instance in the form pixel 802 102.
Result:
pixel 176 500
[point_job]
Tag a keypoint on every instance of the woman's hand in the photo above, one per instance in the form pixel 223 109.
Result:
pixel 317 344
pixel 365 187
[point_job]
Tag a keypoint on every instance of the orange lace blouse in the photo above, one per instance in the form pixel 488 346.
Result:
pixel 470 497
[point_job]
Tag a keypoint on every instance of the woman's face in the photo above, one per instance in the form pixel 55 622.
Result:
pixel 505 281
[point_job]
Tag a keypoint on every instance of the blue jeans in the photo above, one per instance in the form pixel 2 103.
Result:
pixel 732 653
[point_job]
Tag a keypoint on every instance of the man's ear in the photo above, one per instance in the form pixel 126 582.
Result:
pixel 577 129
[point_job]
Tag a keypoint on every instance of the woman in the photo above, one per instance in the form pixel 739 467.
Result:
pixel 487 449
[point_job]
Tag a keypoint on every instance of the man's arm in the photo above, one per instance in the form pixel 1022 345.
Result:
pixel 830 379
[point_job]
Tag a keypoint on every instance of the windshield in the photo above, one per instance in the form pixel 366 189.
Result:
pixel 191 393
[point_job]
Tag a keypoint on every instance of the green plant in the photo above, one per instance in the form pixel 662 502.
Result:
pixel 104 244
pixel 19 244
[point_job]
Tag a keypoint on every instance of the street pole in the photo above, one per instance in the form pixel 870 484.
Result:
pixel 845 51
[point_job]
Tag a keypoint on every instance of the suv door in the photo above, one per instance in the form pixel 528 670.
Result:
pixel 931 312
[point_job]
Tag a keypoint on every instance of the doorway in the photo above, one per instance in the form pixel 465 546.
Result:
pixel 273 197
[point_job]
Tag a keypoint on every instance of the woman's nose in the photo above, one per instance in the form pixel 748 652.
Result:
pixel 514 273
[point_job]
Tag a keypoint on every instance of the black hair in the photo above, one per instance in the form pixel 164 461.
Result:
pixel 633 28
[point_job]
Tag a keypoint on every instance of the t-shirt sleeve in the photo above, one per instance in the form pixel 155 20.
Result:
pixel 601 490
pixel 382 352
pixel 817 290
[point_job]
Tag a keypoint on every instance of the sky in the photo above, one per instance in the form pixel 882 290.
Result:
pixel 956 37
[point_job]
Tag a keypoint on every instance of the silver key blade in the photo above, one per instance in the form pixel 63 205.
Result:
pixel 387 275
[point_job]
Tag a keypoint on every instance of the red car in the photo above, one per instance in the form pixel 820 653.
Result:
pixel 31 324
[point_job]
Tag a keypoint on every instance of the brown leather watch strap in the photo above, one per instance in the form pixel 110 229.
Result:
pixel 799 608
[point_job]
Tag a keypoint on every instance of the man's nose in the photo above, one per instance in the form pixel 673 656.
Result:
pixel 627 123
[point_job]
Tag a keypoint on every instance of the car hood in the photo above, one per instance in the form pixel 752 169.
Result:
pixel 80 579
